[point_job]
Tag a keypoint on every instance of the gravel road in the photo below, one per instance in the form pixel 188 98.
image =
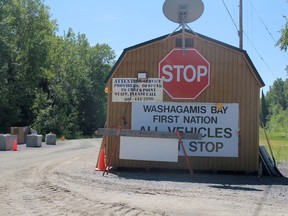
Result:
pixel 60 180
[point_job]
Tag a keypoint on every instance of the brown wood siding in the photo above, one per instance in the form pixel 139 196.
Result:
pixel 232 81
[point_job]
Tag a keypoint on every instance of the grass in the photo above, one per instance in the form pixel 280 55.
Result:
pixel 278 142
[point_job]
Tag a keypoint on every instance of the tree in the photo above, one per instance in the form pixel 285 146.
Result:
pixel 278 94
pixel 283 40
pixel 277 100
pixel 56 106
pixel 74 102
pixel 25 29
pixel 55 84
pixel 278 121
pixel 92 107
pixel 263 110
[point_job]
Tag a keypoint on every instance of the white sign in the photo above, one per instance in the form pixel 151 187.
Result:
pixel 218 125
pixel 129 89
pixel 148 149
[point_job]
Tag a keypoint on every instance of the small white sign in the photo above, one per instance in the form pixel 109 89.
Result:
pixel 130 90
pixel 148 149
pixel 218 126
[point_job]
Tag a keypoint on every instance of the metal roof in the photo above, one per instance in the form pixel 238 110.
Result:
pixel 192 33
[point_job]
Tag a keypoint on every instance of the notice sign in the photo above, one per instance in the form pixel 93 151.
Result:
pixel 148 149
pixel 218 125
pixel 129 89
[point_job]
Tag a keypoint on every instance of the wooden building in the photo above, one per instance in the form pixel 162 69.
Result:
pixel 233 79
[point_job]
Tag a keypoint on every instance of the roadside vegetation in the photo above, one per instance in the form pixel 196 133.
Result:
pixel 56 83
pixel 274 109
pixel 274 118
pixel 278 142
pixel 50 82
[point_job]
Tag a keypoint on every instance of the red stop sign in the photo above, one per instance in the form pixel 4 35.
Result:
pixel 184 76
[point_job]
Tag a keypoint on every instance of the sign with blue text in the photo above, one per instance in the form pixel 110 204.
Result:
pixel 218 124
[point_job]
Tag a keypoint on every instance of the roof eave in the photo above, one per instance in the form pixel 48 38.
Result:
pixel 193 33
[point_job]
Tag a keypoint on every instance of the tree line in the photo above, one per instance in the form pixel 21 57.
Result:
pixel 274 106
pixel 56 83
pixel 52 83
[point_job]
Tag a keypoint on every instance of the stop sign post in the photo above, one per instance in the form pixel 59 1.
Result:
pixel 184 76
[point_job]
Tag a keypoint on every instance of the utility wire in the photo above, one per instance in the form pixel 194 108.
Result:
pixel 265 63
pixel 259 55
pixel 266 28
pixel 262 22
pixel 230 15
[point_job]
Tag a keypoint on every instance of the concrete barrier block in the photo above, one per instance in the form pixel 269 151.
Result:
pixel 2 142
pixel 34 140
pixel 50 139
pixel 6 141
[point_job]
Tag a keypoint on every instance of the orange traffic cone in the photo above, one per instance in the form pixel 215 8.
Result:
pixel 100 166
pixel 14 146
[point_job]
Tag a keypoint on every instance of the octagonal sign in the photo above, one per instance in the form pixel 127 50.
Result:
pixel 184 76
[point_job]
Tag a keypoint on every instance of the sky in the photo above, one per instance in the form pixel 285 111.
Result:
pixel 125 23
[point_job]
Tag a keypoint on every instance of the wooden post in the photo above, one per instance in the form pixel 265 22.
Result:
pixel 184 151
pixel 113 152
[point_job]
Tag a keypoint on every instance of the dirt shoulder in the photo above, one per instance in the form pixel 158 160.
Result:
pixel 60 180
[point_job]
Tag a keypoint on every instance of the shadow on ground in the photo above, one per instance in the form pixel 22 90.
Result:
pixel 224 180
